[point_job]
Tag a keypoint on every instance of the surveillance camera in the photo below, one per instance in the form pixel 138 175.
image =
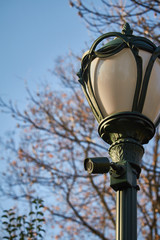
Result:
pixel 97 165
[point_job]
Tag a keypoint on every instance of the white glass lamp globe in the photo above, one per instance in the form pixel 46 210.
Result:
pixel 114 80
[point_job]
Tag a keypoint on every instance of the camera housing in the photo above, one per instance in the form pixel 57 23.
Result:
pixel 97 165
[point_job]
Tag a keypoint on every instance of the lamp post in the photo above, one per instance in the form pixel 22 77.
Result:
pixel 121 82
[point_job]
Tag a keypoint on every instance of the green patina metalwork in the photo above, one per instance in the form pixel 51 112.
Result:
pixel 122 40
pixel 124 131
pixel 123 125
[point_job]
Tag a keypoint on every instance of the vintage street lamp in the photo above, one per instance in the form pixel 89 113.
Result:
pixel 121 82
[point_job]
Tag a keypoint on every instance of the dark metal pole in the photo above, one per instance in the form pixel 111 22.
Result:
pixel 126 153
pixel 126 133
pixel 126 219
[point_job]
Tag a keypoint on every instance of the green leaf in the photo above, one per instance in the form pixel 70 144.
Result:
pixel 4 222
pixel 19 225
pixel 4 216
pixel 12 219
pixel 40 213
pixel 34 201
pixel 34 220
pixel 19 218
pixel 5 211
pixel 39 226
pixel 14 229
pixel 11 213
pixel 41 220
pixel 41 206
pixel 31 213
pixel 40 235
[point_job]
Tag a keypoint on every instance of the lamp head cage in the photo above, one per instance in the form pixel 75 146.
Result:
pixel 134 44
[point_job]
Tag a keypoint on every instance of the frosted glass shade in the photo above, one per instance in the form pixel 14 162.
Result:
pixel 114 81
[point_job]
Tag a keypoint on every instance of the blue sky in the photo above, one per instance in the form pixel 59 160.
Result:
pixel 33 34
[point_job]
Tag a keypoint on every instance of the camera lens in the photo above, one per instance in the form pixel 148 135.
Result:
pixel 89 165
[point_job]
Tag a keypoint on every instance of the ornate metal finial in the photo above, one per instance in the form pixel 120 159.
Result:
pixel 127 29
